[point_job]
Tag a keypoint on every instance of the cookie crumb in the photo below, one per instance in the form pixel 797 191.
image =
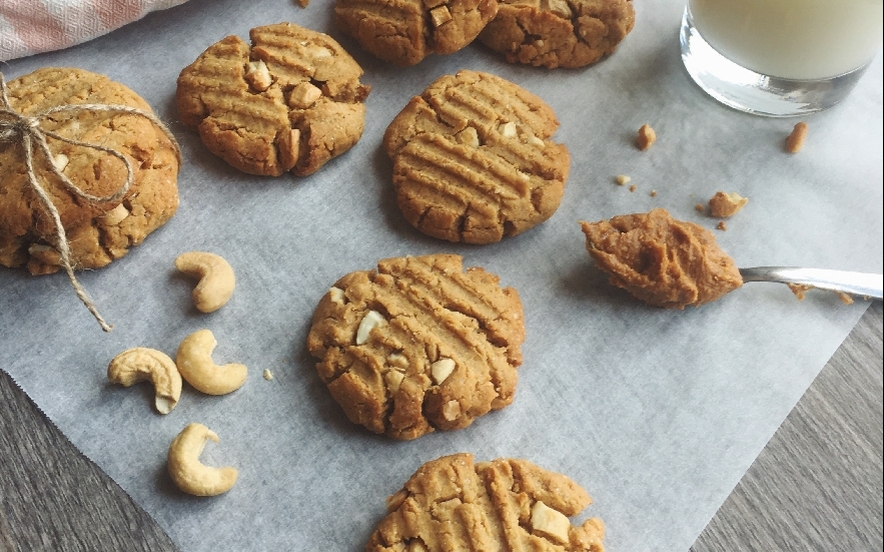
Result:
pixel 622 179
pixel 302 3
pixel 845 298
pixel 724 205
pixel 653 193
pixel 799 289
pixel 721 226
pixel 632 188
pixel 795 141
pixel 646 137
pixel 268 375
pixel 700 207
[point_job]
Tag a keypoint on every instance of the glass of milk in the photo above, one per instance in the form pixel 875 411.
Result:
pixel 780 57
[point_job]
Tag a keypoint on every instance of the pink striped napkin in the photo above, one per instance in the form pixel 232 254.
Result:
pixel 32 26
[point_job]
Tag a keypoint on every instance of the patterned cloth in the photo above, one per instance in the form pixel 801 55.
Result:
pixel 32 26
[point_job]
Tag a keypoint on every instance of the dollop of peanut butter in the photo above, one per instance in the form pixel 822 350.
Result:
pixel 660 260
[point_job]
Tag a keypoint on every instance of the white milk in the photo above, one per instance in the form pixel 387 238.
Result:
pixel 793 39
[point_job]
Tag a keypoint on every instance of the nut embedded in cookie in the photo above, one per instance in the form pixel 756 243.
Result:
pixel 474 160
pixel 290 101
pixel 406 31
pixel 452 503
pixel 418 344
pixel 558 33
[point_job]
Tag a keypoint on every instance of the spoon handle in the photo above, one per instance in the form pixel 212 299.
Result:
pixel 855 283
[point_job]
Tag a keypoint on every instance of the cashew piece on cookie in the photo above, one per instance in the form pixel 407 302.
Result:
pixel 216 278
pixel 188 473
pixel 143 364
pixel 195 363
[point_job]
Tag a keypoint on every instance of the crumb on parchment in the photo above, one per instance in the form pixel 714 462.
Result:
pixel 646 137
pixel 723 205
pixel 795 140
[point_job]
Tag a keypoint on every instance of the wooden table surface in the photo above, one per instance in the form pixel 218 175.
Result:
pixel 816 486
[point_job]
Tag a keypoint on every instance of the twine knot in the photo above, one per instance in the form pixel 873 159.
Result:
pixel 27 132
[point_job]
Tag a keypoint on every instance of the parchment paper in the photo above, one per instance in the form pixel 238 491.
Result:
pixel 657 413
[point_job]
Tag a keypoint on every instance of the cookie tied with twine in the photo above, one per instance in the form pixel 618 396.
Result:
pixel 86 171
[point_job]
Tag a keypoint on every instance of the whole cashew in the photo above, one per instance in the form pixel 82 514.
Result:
pixel 143 364
pixel 216 279
pixel 188 473
pixel 195 363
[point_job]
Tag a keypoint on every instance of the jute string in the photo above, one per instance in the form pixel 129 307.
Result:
pixel 25 131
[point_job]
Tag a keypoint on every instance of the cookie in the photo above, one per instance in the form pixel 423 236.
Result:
pixel 453 503
pixel 418 344
pixel 660 260
pixel 558 33
pixel 473 159
pixel 406 31
pixel 290 101
pixel 98 233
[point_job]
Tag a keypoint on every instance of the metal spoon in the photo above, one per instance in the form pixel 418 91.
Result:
pixel 854 283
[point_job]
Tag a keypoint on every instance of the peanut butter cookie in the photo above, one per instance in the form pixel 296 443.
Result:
pixel 97 232
pixel 506 504
pixel 418 344
pixel 473 159
pixel 660 260
pixel 291 101
pixel 406 31
pixel 558 33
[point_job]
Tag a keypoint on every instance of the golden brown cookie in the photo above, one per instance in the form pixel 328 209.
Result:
pixel 97 233
pixel 474 161
pixel 406 31
pixel 558 33
pixel 506 504
pixel 418 344
pixel 291 101
pixel 660 260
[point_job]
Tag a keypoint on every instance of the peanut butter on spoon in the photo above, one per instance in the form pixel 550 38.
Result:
pixel 660 260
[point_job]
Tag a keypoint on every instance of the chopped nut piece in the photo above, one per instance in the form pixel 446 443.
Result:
pixel 316 52
pixel 622 179
pixel 549 522
pixel 60 161
pixel 558 7
pixel 304 95
pixel 646 137
pixel 795 141
pixel 369 321
pixel 336 295
pixel 115 216
pixel 397 360
pixel 258 76
pixel 268 375
pixel 393 379
pixel 45 254
pixel 289 144
pixel 723 205
pixel 653 193
pixel 451 410
pixel 507 129
pixel 468 137
pixel 440 16
pixel 396 500
pixel 441 369
pixel 535 141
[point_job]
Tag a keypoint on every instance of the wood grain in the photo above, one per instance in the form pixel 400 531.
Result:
pixel 816 486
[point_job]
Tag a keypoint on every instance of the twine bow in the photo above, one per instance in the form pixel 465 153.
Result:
pixel 25 130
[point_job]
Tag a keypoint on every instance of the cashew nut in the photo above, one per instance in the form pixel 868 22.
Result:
pixel 188 473
pixel 195 363
pixel 216 278
pixel 143 364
